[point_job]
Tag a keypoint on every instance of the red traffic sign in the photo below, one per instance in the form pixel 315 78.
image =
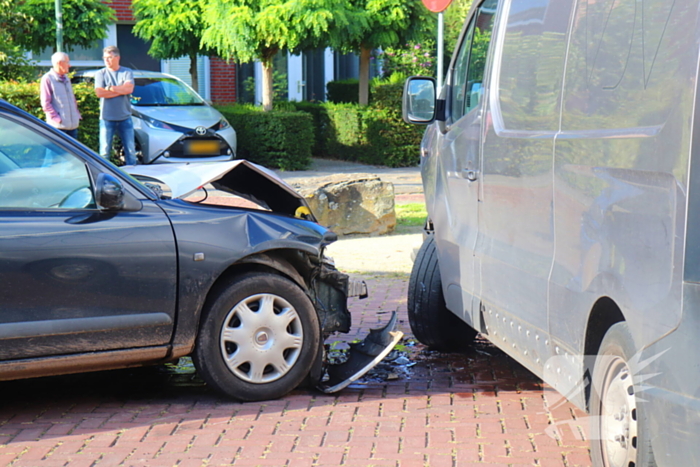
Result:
pixel 436 6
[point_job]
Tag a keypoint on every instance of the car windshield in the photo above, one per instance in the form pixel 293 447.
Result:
pixel 163 91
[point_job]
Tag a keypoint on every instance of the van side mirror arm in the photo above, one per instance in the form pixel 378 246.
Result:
pixel 440 110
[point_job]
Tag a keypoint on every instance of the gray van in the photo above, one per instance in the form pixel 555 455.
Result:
pixel 562 181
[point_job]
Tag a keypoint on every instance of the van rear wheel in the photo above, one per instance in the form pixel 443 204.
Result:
pixel 431 322
pixel 619 428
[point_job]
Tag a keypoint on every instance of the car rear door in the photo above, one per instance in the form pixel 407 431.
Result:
pixel 74 278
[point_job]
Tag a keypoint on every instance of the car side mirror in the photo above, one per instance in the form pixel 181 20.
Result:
pixel 419 100
pixel 109 193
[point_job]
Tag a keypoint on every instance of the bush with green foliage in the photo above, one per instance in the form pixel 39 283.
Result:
pixel 373 135
pixel 414 59
pixel 343 136
pixel 26 97
pixel 278 138
pixel 320 121
pixel 345 91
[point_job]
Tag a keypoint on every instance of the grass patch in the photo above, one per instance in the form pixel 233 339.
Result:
pixel 411 215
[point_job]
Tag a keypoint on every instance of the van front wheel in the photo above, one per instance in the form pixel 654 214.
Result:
pixel 431 322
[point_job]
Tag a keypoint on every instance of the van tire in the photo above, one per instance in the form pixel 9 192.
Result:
pixel 431 322
pixel 252 359
pixel 614 406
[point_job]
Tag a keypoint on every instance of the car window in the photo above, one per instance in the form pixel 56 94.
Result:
pixel 468 73
pixel 36 173
pixel 163 91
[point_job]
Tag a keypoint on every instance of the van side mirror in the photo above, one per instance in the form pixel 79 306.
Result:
pixel 419 100
pixel 109 192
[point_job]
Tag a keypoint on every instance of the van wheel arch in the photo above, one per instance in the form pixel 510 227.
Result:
pixel 604 314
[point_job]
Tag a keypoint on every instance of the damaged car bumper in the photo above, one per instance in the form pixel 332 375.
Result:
pixel 327 288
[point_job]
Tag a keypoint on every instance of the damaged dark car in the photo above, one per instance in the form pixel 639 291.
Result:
pixel 100 269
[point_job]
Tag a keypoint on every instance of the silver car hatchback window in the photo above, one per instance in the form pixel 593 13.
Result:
pixel 163 91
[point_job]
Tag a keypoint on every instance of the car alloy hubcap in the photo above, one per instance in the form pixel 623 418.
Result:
pixel 618 416
pixel 261 338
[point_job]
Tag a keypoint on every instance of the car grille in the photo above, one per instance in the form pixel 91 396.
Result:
pixel 199 147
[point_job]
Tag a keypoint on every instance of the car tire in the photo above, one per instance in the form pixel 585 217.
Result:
pixel 618 423
pixel 258 339
pixel 431 322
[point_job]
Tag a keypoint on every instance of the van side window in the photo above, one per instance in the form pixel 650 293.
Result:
pixel 532 65
pixel 468 73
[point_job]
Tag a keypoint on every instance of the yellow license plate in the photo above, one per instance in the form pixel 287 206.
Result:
pixel 203 147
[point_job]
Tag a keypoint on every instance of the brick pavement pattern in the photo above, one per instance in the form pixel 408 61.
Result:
pixel 474 409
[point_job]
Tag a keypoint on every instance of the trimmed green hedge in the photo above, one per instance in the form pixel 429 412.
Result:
pixel 343 91
pixel 375 134
pixel 26 97
pixel 320 121
pixel 279 138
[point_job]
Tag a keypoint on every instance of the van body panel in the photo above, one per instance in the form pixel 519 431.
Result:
pixel 670 367
pixel 566 182
pixel 516 215
pixel 621 166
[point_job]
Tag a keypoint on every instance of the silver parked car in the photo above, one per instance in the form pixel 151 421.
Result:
pixel 172 123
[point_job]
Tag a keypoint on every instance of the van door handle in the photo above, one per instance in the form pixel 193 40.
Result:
pixel 469 174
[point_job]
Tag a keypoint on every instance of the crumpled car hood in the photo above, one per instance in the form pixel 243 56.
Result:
pixel 240 177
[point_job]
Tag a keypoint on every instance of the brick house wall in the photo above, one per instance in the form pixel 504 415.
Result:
pixel 223 81
pixel 123 10
pixel 222 74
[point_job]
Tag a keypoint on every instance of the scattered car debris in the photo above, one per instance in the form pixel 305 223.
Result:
pixel 362 357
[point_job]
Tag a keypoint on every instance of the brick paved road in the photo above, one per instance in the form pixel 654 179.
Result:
pixel 475 409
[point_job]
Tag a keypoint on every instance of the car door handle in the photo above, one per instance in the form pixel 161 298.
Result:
pixel 470 174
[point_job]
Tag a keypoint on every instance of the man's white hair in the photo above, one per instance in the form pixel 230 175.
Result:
pixel 59 57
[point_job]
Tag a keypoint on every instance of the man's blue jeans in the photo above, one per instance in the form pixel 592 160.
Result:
pixel 125 130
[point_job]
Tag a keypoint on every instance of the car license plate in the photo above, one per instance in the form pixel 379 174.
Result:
pixel 202 147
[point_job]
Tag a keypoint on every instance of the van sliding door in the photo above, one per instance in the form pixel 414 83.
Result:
pixel 516 215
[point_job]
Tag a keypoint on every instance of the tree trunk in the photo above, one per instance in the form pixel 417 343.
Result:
pixel 193 72
pixel 364 75
pixel 267 91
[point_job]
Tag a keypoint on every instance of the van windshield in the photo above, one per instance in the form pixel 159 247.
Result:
pixel 161 91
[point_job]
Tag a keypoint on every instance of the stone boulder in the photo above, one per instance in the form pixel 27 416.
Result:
pixel 352 203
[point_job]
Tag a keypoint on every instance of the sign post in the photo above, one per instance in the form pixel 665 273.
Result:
pixel 438 6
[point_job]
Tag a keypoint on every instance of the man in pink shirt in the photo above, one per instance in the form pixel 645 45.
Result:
pixel 57 98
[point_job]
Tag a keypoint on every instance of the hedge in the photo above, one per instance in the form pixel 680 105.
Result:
pixel 279 139
pixel 375 134
pixel 343 91
pixel 320 121
pixel 26 97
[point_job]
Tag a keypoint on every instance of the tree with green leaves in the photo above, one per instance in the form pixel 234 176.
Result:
pixel 387 23
pixel 84 22
pixel 455 15
pixel 174 28
pixel 13 25
pixel 248 30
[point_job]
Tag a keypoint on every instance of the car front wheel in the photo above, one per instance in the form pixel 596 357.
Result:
pixel 258 339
